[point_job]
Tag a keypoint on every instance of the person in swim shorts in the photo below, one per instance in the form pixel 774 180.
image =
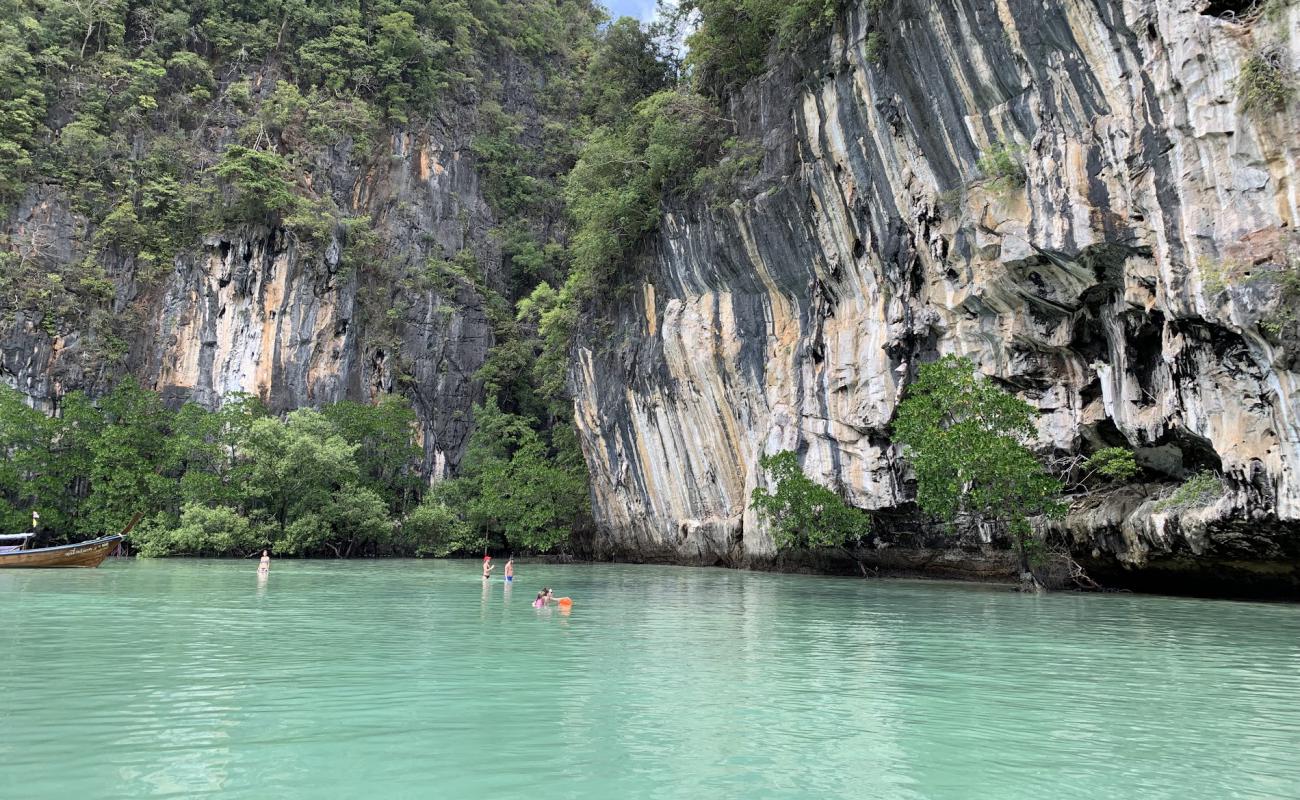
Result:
pixel 510 569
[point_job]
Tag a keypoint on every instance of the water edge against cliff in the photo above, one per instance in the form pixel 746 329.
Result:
pixel 391 678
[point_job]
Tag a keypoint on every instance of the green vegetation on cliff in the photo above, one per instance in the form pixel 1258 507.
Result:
pixel 161 122
pixel 966 441
pixel 802 512
pixel 732 39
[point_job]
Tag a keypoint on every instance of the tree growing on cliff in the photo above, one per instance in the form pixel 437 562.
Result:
pixel 966 440
pixel 260 182
pixel 729 40
pixel 802 512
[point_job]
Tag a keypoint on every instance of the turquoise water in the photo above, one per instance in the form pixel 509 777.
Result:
pixel 411 679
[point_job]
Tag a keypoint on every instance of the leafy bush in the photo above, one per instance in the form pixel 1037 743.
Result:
pixel 804 513
pixel 1002 165
pixel 966 440
pixel 876 47
pixel 1265 84
pixel 626 68
pixel 214 483
pixel 1286 312
pixel 516 486
pixel 732 40
pixel 1115 463
pixel 202 531
pixel 740 159
pixel 260 181
pixel 1201 489
pixel 22 107
pixel 433 529
pixel 615 190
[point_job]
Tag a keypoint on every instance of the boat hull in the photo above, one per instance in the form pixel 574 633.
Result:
pixel 82 554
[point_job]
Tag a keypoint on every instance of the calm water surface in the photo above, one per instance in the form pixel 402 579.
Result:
pixel 412 679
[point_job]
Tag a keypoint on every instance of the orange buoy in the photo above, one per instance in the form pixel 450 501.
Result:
pixel 564 601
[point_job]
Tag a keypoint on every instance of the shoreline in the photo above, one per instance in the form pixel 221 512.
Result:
pixel 837 565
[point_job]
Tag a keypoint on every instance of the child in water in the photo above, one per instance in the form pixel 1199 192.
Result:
pixel 546 596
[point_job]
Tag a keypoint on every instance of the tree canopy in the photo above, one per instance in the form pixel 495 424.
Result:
pixel 966 440
pixel 344 480
pixel 802 512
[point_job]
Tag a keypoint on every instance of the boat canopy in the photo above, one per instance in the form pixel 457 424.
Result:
pixel 15 537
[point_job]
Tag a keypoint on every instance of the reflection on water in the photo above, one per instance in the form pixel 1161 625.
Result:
pixel 383 679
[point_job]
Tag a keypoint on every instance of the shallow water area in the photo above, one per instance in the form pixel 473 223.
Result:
pixel 392 679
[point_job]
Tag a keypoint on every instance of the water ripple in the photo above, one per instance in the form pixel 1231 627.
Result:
pixel 411 679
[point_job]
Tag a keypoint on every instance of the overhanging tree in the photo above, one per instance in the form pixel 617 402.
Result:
pixel 967 439
pixel 803 513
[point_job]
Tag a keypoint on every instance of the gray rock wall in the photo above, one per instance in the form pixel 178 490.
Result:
pixel 1131 289
pixel 253 310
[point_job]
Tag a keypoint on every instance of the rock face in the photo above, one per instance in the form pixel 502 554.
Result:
pixel 1137 288
pixel 253 310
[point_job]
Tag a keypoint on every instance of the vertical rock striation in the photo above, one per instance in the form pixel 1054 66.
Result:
pixel 255 310
pixel 1134 289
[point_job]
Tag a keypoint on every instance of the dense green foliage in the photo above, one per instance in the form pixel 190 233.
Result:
pixel 1200 489
pixel 618 184
pixel 1113 463
pixel 733 38
pixel 802 512
pixel 515 487
pixel 341 481
pixel 627 67
pixel 965 439
pixel 163 120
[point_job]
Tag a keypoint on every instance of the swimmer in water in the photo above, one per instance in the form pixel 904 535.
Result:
pixel 488 566
pixel 510 569
pixel 264 566
pixel 541 599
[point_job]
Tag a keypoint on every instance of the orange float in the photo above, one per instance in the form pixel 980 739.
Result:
pixel 565 602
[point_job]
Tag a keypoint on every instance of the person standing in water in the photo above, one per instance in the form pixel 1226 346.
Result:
pixel 264 566
pixel 510 569
pixel 487 567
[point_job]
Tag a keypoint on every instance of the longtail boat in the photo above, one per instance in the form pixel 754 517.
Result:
pixel 15 550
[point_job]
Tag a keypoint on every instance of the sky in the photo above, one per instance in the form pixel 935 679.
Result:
pixel 642 9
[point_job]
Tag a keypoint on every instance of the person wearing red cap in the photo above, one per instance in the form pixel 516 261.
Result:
pixel 488 566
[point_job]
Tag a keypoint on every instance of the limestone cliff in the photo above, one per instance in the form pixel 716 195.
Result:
pixel 1136 288
pixel 254 308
